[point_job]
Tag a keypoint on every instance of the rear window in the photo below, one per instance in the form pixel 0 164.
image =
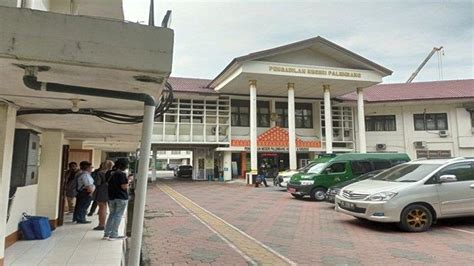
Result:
pixel 184 167
pixel 361 167
pixel 382 164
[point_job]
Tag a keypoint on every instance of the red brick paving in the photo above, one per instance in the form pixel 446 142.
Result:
pixel 306 232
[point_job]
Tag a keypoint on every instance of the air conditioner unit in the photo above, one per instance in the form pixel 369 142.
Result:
pixel 420 144
pixel 381 147
pixel 443 133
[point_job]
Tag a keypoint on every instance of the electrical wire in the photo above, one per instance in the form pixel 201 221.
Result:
pixel 163 104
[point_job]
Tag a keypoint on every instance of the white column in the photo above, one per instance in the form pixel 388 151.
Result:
pixel 291 126
pixel 153 161
pixel 273 123
pixel 96 158
pixel 140 189
pixel 328 118
pixel 7 135
pixel 49 173
pixel 253 127
pixel 227 166
pixel 361 121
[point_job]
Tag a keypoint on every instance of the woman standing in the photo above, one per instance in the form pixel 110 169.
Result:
pixel 102 193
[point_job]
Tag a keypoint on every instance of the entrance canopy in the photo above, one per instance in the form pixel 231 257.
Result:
pixel 307 64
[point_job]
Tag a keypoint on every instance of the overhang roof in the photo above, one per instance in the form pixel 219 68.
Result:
pixel 431 90
pixel 193 85
pixel 336 49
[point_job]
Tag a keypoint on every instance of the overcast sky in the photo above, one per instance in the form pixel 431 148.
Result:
pixel 395 34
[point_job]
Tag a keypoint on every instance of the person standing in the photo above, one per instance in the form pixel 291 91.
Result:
pixel 70 185
pixel 85 188
pixel 118 199
pixel 102 192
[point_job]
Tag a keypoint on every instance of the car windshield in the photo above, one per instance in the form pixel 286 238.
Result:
pixel 407 172
pixel 317 168
pixel 306 168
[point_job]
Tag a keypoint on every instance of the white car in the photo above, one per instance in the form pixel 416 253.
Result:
pixel 284 177
pixel 413 194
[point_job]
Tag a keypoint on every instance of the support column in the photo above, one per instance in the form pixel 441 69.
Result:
pixel 328 118
pixel 253 127
pixel 97 158
pixel 361 121
pixel 291 126
pixel 49 174
pixel 227 166
pixel 153 161
pixel 7 136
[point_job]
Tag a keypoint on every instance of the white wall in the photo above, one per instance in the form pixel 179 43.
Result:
pixel 24 201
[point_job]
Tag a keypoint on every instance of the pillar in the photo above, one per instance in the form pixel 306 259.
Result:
pixel 227 166
pixel 253 127
pixel 7 136
pixel 153 163
pixel 361 121
pixel 291 126
pixel 328 118
pixel 96 158
pixel 49 174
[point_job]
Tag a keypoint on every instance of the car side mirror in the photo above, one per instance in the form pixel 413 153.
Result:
pixel 447 178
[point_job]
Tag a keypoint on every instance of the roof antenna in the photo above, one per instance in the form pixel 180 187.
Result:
pixel 151 15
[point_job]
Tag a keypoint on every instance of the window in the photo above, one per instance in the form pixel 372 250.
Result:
pixel 382 164
pixel 282 114
pixel 304 115
pixel 380 123
pixel 240 113
pixel 263 114
pixel 462 171
pixel 431 121
pixel 336 168
pixel 361 167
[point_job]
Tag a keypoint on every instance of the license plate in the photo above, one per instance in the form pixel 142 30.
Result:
pixel 348 205
pixel 292 190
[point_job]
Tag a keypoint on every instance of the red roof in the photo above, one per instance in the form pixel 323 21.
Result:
pixel 190 85
pixel 432 90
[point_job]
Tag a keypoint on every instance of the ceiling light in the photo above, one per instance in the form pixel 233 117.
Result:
pixel 75 107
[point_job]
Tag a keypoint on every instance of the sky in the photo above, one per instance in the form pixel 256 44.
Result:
pixel 395 34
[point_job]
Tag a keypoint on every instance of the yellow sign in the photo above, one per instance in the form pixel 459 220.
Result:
pixel 314 71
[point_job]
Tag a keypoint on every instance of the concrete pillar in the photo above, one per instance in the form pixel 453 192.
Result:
pixel 96 158
pixel 361 121
pixel 76 144
pixel 273 113
pixel 7 136
pixel 253 127
pixel 291 126
pixel 227 166
pixel 328 118
pixel 153 163
pixel 49 174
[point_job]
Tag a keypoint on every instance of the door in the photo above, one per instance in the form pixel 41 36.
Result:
pixel 457 198
pixel 333 174
pixel 62 187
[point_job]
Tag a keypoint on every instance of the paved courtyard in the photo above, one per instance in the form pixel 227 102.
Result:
pixel 210 223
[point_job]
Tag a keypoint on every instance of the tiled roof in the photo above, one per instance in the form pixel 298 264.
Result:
pixel 432 90
pixel 190 85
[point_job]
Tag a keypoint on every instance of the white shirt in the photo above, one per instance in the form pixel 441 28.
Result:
pixel 85 179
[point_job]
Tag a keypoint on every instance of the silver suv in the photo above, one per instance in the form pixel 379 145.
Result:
pixel 413 194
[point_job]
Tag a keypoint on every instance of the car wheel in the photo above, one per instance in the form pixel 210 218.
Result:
pixel 318 194
pixel 416 218
pixel 296 196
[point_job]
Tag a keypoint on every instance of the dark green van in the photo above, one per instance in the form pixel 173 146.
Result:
pixel 315 181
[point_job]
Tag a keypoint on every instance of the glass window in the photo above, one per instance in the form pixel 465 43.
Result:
pixel 462 171
pixel 240 113
pixel 263 114
pixel 336 168
pixel 380 123
pixel 281 109
pixel 430 121
pixel 304 115
pixel 361 167
pixel 407 172
pixel 382 164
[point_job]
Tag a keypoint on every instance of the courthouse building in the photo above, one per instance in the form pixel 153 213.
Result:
pixel 285 105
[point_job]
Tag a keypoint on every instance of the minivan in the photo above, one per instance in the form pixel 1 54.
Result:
pixel 315 182
pixel 413 194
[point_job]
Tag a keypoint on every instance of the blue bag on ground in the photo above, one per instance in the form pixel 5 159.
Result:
pixel 35 227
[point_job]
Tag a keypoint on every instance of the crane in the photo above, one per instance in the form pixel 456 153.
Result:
pixel 435 49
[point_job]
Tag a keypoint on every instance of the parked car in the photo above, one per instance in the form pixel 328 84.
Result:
pixel 183 171
pixel 315 182
pixel 334 190
pixel 413 194
pixel 284 177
